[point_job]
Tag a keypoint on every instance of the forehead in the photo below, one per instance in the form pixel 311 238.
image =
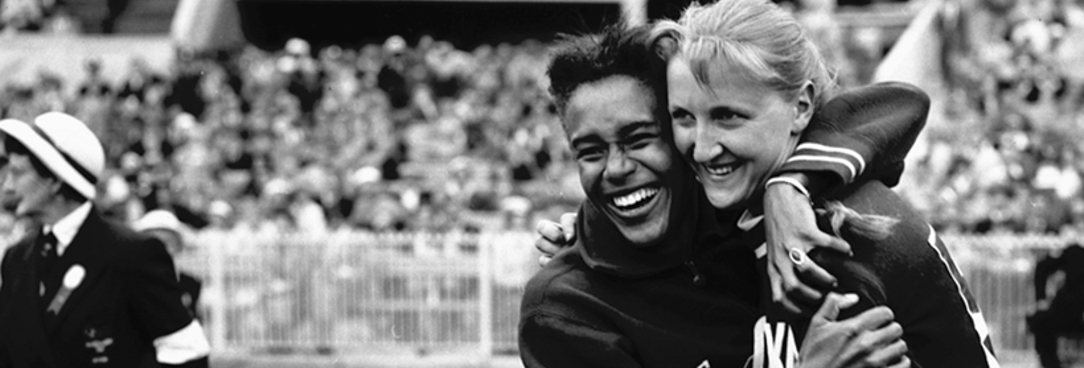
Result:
pixel 609 102
pixel 705 79
pixel 17 160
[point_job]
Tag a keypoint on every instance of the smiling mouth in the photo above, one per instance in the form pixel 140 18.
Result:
pixel 635 199
pixel 720 169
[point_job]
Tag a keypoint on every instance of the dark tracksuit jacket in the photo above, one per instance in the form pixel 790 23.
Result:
pixel 910 271
pixel 693 300
pixel 612 305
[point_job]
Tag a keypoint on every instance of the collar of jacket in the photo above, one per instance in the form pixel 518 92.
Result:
pixel 693 226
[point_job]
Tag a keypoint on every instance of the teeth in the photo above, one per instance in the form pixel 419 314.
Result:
pixel 719 169
pixel 635 197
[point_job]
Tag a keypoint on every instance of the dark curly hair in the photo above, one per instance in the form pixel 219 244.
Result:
pixel 618 50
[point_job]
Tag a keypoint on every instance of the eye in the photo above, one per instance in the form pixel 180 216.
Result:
pixel 641 140
pixel 724 114
pixel 590 153
pixel 681 117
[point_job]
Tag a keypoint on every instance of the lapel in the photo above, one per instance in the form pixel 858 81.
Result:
pixel 86 251
pixel 26 307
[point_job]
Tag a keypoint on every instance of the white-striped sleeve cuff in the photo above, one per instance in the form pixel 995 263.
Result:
pixel 843 160
pixel 182 346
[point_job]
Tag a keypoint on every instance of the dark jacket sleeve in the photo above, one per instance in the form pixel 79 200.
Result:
pixel 156 294
pixel 5 290
pixel 863 132
pixel 5 295
pixel 1043 269
pixel 198 363
pixel 553 341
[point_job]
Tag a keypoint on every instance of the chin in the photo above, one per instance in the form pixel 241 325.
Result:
pixel 645 235
pixel 723 200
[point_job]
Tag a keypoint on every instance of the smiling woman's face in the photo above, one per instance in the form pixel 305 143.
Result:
pixel 733 132
pixel 626 165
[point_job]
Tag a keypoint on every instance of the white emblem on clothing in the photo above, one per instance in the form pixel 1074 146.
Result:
pixel 72 279
pixel 704 364
pixel 74 276
pixel 99 345
pixel 774 348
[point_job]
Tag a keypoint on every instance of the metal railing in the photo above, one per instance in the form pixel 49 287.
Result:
pixel 421 294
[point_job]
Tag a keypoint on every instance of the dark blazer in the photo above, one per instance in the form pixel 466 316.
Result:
pixel 128 297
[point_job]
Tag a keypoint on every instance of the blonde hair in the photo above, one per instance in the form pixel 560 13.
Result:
pixel 756 35
pixel 869 226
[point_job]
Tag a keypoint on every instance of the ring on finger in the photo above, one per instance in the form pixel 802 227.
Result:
pixel 797 256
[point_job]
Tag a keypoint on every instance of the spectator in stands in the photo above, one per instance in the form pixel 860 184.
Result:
pixel 1063 312
pixel 392 76
pixel 22 15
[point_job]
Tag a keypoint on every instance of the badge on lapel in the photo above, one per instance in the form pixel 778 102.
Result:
pixel 72 279
pixel 97 345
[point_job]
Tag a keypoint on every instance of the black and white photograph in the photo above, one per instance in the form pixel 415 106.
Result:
pixel 542 183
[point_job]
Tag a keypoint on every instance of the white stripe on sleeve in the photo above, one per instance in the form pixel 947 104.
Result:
pixel 182 346
pixel 834 160
pixel 977 319
pixel 840 150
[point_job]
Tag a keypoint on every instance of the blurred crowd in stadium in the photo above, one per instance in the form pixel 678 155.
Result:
pixel 1007 158
pixel 428 137
pixel 389 137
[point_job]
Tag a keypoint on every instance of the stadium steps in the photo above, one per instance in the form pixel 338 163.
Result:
pixel 140 17
pixel 147 17
pixel 89 13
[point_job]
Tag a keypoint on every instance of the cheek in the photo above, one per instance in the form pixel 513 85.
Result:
pixel 683 139
pixel 589 175
pixel 658 157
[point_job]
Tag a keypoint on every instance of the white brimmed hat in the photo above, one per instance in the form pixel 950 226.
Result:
pixel 65 145
pixel 162 220
pixel 159 219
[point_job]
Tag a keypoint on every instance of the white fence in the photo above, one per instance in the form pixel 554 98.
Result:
pixel 422 294
pixel 357 292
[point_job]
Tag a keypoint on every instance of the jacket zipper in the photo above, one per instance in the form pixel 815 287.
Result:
pixel 698 279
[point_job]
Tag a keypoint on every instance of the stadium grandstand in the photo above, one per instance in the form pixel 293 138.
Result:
pixel 361 178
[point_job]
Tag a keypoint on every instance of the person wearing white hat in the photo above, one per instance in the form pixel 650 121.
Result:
pixel 165 226
pixel 79 290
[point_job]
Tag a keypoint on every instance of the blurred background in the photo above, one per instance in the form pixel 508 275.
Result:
pixel 360 179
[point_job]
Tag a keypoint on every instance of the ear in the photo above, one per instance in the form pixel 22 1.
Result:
pixel 55 184
pixel 803 107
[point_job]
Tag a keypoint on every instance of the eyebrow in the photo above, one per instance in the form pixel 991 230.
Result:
pixel 623 132
pixel 628 129
pixel 577 141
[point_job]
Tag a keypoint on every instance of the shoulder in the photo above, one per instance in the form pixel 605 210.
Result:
pixel 127 244
pixel 906 99
pixel 567 288
pixel 875 198
pixel 910 244
pixel 557 282
pixel 18 250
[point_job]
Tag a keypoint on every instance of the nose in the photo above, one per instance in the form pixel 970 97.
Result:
pixel 6 183
pixel 618 165
pixel 706 144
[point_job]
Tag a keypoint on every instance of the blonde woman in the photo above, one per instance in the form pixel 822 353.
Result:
pixel 744 81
